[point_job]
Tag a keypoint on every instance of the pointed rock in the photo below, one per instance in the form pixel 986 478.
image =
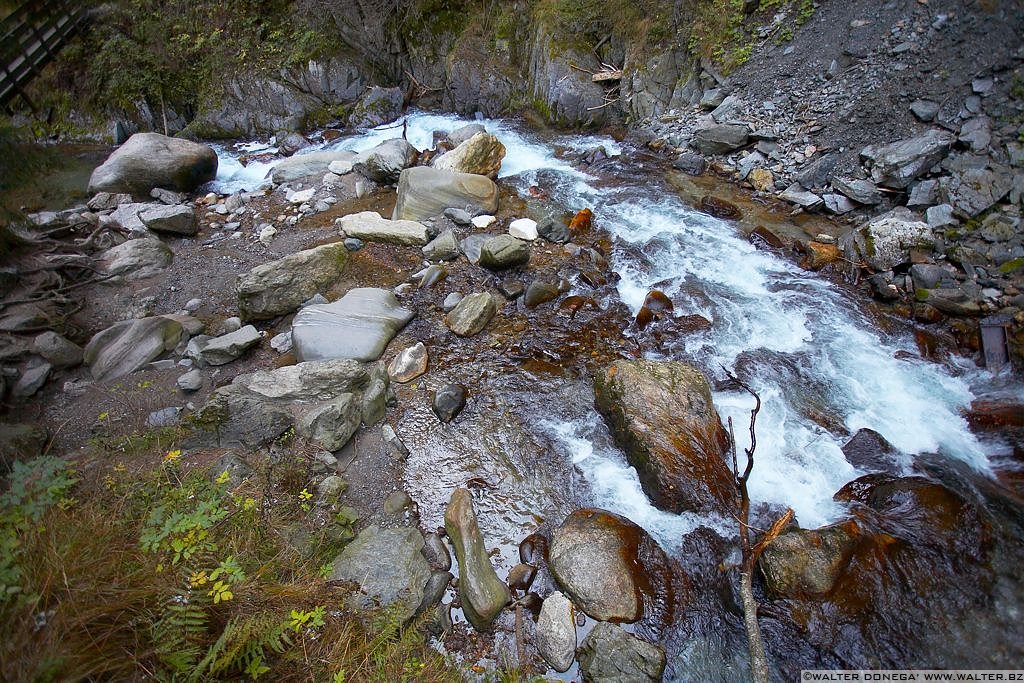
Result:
pixel 482 593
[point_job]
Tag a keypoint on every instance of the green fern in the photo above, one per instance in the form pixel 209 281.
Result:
pixel 177 635
pixel 243 646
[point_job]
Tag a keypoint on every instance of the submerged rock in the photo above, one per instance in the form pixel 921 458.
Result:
pixel 281 286
pixel 359 326
pixel 610 654
pixel 504 251
pixel 482 593
pixel 663 416
pixel 149 160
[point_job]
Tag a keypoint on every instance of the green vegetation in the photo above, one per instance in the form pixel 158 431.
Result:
pixel 590 21
pixel 148 563
pixel 722 32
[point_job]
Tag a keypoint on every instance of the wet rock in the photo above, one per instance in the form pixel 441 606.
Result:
pixel 383 163
pixel 480 154
pixel 796 194
pixel 31 380
pixel 149 160
pixel 533 549
pixel 860 191
pixel 136 259
pixel 370 227
pixel 950 300
pixel 720 208
pixel 504 251
pixel 331 424
pixel 553 230
pixel 436 553
pixel 225 348
pixel 663 416
pixel 610 654
pixel 444 247
pixel 448 402
pixel 511 288
pixel 308 165
pixel 175 220
pixel 804 563
pixel 656 306
pixel 521 576
pixel 975 190
pixel 720 139
pixel 539 292
pixel 603 561
pixel 191 381
pixel 523 229
pixel 377 106
pixel 409 364
pixel 763 238
pixel 359 325
pixel 690 164
pixel 897 164
pixel 868 450
pixel 820 255
pixel 581 222
pixel 424 192
pixel 387 566
pixel 472 314
pixel 886 241
pixel 56 350
pixel 20 442
pixel 290 143
pixel 556 632
pixel 482 593
pixel 434 591
pixel 279 287
pixel 129 345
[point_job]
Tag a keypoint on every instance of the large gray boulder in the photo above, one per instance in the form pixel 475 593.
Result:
pixel 127 346
pixel 307 165
pixel 176 220
pixel 387 566
pixel 481 154
pixel 136 259
pixel 606 563
pixel 504 251
pixel 279 287
pixel 377 106
pixel 662 414
pixel 359 325
pixel 149 160
pixel 975 190
pixel 886 241
pixel 720 139
pixel 556 632
pixel 610 654
pixel 472 314
pixel 482 593
pixel 896 164
pixel 424 192
pixel 385 162
pixel 371 227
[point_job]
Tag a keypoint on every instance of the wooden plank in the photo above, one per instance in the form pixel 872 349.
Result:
pixel 602 76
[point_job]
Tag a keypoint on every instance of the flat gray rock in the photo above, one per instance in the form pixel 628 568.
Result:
pixel 387 566
pixel 359 326
pixel 176 220
pixel 306 165
pixel 136 259
pixel 225 348
pixel 126 346
pixel 860 191
pixel 897 164
pixel 424 192
pixel 371 227
pixel 720 139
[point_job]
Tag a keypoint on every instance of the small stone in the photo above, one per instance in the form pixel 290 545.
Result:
pixel 282 343
pixel 459 216
pixel 940 216
pixel 924 110
pixel 393 442
pixel 229 325
pixel 511 288
pixel 524 229
pixel 483 221
pixel 448 402
pixel 396 502
pixel 556 632
pixel 191 381
pixel 267 234
pixel 451 301
pixel 166 417
pixel 328 490
pixel 472 314
pixel 409 364
pixel 353 243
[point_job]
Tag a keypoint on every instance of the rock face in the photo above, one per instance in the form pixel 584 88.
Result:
pixel 136 259
pixel 377 106
pixel 279 287
pixel 149 160
pixel 720 139
pixel 898 163
pixel 480 154
pixel 504 251
pixel 609 654
pixel 605 563
pixel 663 416
pixel 174 220
pixel 369 226
pixel 307 165
pixel 482 593
pixel 424 192
pixel 359 325
pixel 556 632
pixel 386 161
pixel 126 346
pixel 472 314
pixel 388 566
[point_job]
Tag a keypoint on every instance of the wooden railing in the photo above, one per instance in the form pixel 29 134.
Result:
pixel 29 38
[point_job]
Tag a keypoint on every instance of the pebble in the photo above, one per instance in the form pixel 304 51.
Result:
pixel 191 381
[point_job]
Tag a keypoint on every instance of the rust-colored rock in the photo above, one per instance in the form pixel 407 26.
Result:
pixel 762 180
pixel 720 208
pixel 763 238
pixel 989 413
pixel 662 414
pixel 820 255
pixel 582 221
pixel 657 306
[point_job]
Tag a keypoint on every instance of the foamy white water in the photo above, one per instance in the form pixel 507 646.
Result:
pixel 807 343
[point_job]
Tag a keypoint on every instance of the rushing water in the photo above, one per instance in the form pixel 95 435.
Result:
pixel 761 307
